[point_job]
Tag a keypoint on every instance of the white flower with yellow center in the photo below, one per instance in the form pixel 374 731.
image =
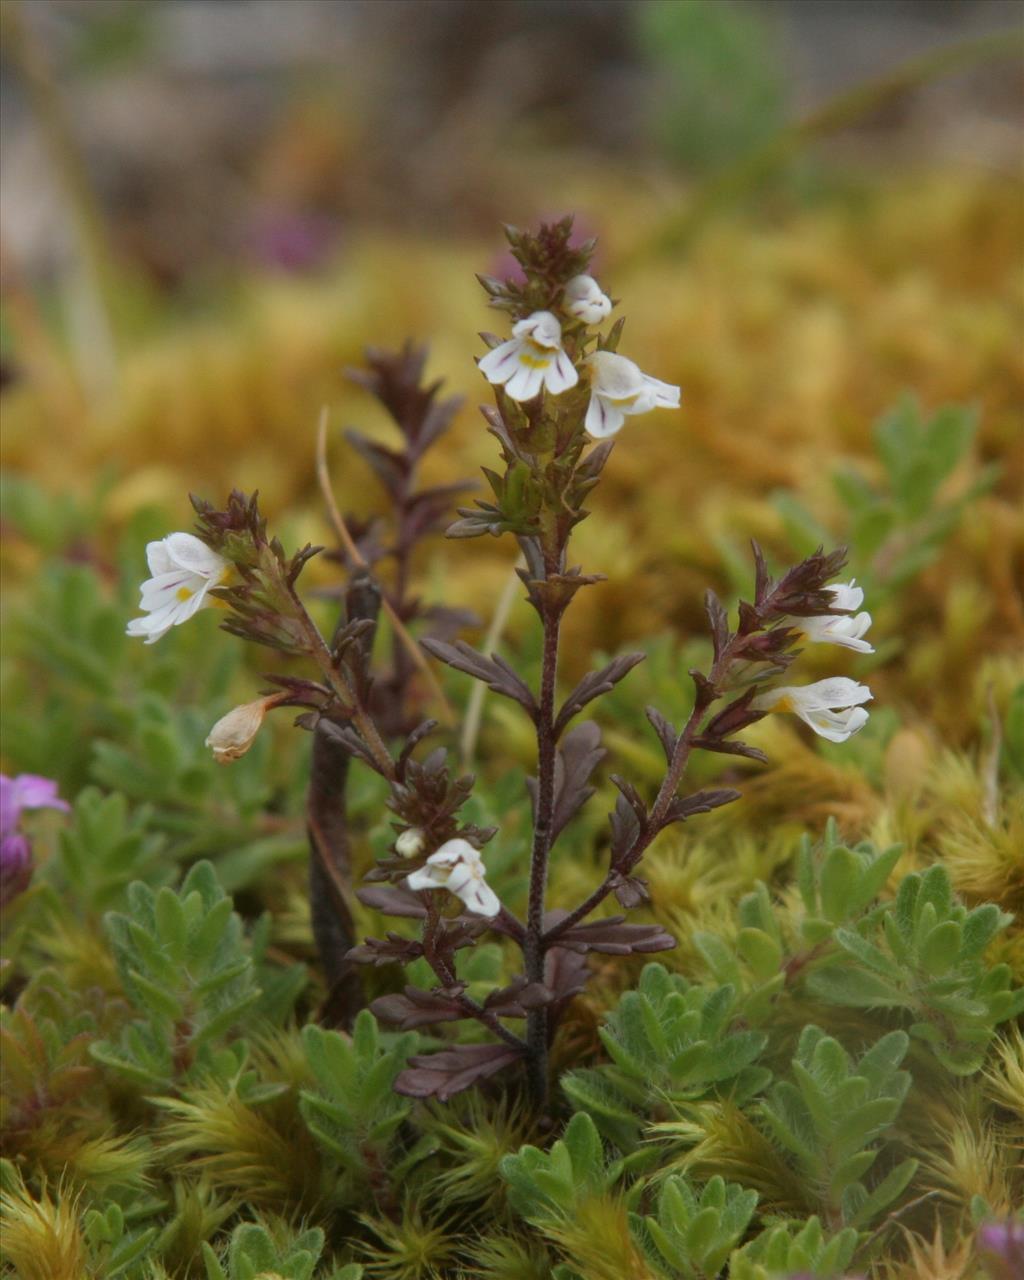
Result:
pixel 620 389
pixel 585 300
pixel 458 867
pixel 532 359
pixel 183 570
pixel 831 707
pixel 835 629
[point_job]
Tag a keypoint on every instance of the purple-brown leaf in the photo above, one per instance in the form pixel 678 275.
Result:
pixel 566 974
pixel 415 1008
pixel 594 685
pixel 626 827
pixel 390 950
pixel 737 715
pixel 730 747
pixel 444 1074
pixel 576 759
pixel 630 891
pixel 515 1000
pixel 493 671
pixel 392 900
pixel 613 937
pixel 719 622
pixel 667 735
pixel 683 807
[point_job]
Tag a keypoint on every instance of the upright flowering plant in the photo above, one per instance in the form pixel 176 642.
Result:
pixel 559 385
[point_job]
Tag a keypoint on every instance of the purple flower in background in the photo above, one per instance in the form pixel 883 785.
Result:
pixel 15 866
pixel 1002 1247
pixel 26 791
pixel 292 241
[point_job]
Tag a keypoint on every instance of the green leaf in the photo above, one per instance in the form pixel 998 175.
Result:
pixel 700 1234
pixel 839 876
pixel 891 1186
pixel 867 953
pixel 852 1170
pixel 762 953
pixel 940 948
pixel 719 958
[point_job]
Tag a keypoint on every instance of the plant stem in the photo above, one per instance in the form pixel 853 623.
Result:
pixel 533 948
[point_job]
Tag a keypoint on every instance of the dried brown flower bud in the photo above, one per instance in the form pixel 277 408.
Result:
pixel 234 734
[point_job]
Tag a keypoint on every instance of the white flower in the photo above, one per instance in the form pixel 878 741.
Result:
pixel 531 359
pixel 585 301
pixel 234 734
pixel 833 628
pixel 410 843
pixel 619 389
pixel 814 704
pixel 847 594
pixel 458 867
pixel 183 570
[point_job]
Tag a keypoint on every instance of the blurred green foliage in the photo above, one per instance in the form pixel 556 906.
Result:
pixel 897 527
pixel 720 92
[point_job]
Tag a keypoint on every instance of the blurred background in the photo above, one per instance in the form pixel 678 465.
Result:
pixel 809 209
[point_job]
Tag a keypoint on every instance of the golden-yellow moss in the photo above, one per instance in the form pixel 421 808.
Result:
pixel 41 1237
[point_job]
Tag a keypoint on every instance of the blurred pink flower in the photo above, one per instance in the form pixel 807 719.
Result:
pixel 292 241
pixel 1002 1248
pixel 26 791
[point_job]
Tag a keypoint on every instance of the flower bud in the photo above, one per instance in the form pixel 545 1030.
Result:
pixel 234 734
pixel 410 843
pixel 584 300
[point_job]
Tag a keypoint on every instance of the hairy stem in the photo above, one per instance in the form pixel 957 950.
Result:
pixel 330 875
pixel 533 947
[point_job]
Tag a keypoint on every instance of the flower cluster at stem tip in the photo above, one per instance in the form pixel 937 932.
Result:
pixel 533 360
